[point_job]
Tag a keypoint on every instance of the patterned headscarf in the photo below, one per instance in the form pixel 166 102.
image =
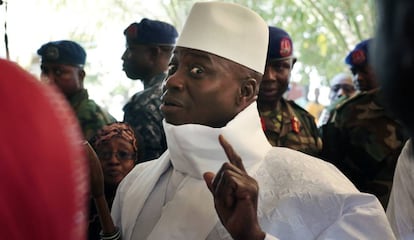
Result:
pixel 117 129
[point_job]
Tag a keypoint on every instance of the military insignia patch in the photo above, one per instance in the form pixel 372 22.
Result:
pixel 358 57
pixel 295 124
pixel 132 31
pixel 52 53
pixel 285 47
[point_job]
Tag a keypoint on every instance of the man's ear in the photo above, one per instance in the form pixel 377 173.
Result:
pixel 81 74
pixel 248 91
pixel 293 62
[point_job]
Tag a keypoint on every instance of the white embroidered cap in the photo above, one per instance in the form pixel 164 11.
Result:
pixel 227 30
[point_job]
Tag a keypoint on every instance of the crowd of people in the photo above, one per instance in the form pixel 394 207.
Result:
pixel 211 149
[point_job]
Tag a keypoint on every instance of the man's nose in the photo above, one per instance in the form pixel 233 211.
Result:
pixel 125 55
pixel 340 92
pixel 269 75
pixel 173 81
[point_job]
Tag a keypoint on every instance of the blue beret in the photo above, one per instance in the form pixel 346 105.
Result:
pixel 62 52
pixel 280 44
pixel 151 32
pixel 359 56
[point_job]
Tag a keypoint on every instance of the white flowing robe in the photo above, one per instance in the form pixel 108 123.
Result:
pixel 300 197
pixel 400 209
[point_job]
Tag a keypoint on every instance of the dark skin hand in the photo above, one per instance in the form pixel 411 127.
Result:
pixel 235 196
pixel 97 190
pixel 96 175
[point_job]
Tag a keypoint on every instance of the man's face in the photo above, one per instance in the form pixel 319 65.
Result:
pixel 275 80
pixel 201 88
pixel 341 89
pixel 69 79
pixel 364 78
pixel 137 61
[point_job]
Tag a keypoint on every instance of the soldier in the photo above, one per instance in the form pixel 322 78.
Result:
pixel 62 65
pixel 285 123
pixel 366 139
pixel 149 48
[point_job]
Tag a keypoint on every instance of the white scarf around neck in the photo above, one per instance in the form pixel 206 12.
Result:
pixel 194 149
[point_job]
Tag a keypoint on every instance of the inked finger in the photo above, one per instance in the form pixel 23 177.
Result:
pixel 233 157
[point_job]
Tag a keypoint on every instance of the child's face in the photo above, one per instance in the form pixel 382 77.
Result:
pixel 117 158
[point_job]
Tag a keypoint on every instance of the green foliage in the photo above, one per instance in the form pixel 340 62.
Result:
pixel 323 31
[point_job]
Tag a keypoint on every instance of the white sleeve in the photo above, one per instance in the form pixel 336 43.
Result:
pixel 116 210
pixel 362 218
pixel 270 237
pixel 400 210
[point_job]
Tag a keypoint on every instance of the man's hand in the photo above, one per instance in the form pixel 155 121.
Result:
pixel 235 196
pixel 95 172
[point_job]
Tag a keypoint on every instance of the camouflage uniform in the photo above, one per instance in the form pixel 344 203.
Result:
pixel 364 142
pixel 326 114
pixel 291 126
pixel 143 114
pixel 90 115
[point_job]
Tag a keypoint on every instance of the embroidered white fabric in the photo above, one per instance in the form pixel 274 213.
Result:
pixel 300 197
pixel 400 210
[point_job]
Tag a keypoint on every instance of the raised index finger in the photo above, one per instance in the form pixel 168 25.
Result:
pixel 233 157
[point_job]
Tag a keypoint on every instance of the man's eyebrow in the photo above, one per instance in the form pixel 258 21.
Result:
pixel 206 57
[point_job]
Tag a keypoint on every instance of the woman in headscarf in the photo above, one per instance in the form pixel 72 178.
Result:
pixel 117 148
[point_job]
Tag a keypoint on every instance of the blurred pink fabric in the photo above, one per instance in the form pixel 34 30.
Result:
pixel 44 178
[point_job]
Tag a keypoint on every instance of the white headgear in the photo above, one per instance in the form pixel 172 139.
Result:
pixel 227 30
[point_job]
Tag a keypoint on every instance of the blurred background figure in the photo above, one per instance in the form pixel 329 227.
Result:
pixel 342 88
pixel 314 107
pixel 149 46
pixel 394 66
pixel 62 65
pixel 43 166
pixel 365 139
pixel 118 149
pixel 358 60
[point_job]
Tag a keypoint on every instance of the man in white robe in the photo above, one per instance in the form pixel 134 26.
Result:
pixel 220 178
